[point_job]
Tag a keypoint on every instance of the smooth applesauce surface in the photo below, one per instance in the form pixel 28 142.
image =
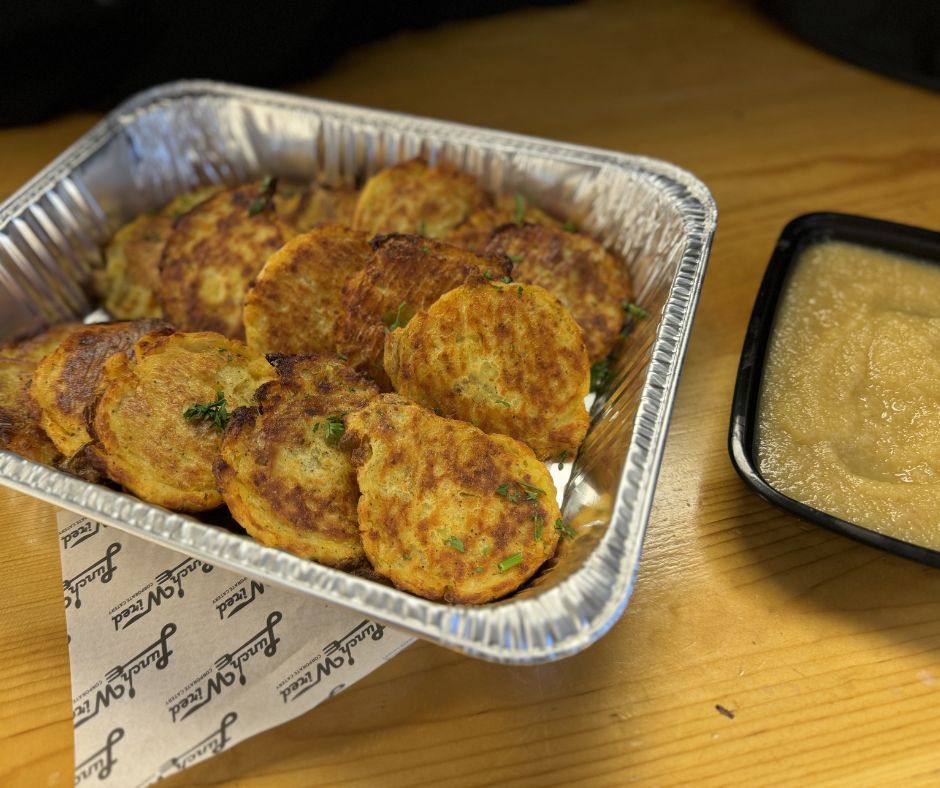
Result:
pixel 849 416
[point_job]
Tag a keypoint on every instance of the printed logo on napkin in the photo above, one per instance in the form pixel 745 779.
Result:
pixel 174 660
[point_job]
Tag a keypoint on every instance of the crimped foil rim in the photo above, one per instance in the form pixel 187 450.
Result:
pixel 549 625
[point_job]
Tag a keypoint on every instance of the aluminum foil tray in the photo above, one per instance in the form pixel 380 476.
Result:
pixel 656 216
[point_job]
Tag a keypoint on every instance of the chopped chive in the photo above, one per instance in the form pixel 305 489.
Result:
pixel 635 311
pixel 509 495
pixel 539 522
pixel 519 216
pixel 316 426
pixel 516 258
pixel 564 529
pixel 506 280
pixel 397 323
pixel 570 227
pixel 560 459
pixel 503 403
pixel 528 486
pixel 457 544
pixel 487 275
pixel 519 291
pixel 506 563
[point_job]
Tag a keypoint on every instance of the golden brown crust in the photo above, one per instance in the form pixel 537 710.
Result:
pixel 281 471
pixel 19 424
pixel 587 279
pixel 66 381
pixel 475 231
pixel 131 276
pixel 413 197
pixel 213 254
pixel 142 439
pixel 317 204
pixel 508 358
pixel 295 301
pixel 448 524
pixel 405 269
pixel 35 348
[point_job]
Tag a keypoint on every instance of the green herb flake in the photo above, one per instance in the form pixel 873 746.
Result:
pixel 334 427
pixel 457 544
pixel 506 280
pixel 519 216
pixel 519 291
pixel 397 322
pixel 503 403
pixel 479 570
pixel 564 529
pixel 264 199
pixel 316 427
pixel 635 311
pixel 531 487
pixel 342 356
pixel 426 249
pixel 257 206
pixel 516 258
pixel 600 374
pixel 570 227
pixel 509 495
pixel 488 276
pixel 560 459
pixel 213 412
pixel 508 563
pixel 539 522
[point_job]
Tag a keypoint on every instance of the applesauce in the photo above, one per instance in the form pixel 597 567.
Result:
pixel 849 413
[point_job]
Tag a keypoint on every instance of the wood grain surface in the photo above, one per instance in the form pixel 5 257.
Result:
pixel 823 654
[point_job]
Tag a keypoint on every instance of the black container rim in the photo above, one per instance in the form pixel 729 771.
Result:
pixel 800 233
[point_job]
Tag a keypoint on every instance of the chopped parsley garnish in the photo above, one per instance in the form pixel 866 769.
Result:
pixel 516 258
pixel 539 522
pixel 509 495
pixel 503 403
pixel 457 544
pixel 600 374
pixel 334 427
pixel 635 311
pixel 213 412
pixel 519 216
pixel 570 227
pixel 560 459
pixel 397 322
pixel 564 529
pixel 507 563
pixel 264 200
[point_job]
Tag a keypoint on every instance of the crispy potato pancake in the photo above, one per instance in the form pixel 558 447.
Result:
pixel 468 522
pixel 213 254
pixel 157 422
pixel 295 301
pixel 281 471
pixel 19 422
pixel 131 275
pixel 508 358
pixel 588 280
pixel 35 348
pixel 66 382
pixel 475 231
pixel 316 204
pixel 406 273
pixel 413 197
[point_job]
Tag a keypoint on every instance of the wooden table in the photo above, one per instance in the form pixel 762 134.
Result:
pixel 825 653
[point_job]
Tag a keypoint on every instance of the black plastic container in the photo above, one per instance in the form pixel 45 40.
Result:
pixel 798 235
